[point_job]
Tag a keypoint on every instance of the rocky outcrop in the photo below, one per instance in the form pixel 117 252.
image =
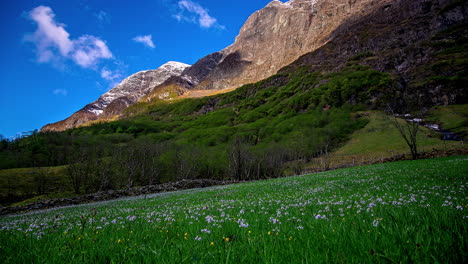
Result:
pixel 278 34
pixel 271 38
pixel 420 42
pixel 115 101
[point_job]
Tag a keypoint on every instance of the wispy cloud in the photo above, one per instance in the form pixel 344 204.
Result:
pixel 53 42
pixel 113 77
pixel 195 13
pixel 60 92
pixel 103 17
pixel 145 40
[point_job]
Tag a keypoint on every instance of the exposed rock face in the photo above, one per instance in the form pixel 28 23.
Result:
pixel 128 92
pixel 189 78
pixel 409 39
pixel 271 38
pixel 278 34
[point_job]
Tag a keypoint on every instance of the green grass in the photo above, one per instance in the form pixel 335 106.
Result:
pixel 404 212
pixel 24 182
pixel 451 117
pixel 380 137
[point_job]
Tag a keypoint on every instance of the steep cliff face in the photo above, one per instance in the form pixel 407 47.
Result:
pixel 271 38
pixel 278 34
pixel 422 43
pixel 128 92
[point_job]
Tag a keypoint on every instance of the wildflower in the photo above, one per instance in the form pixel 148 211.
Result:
pixel 376 223
pixel 198 238
pixel 209 219
pixel 320 216
pixel 242 223
pixel 226 239
pixel 300 228
pixel 212 244
pixel 206 231
pixel 274 220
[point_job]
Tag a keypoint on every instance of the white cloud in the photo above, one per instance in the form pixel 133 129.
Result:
pixel 60 92
pixel 49 34
pixel 195 13
pixel 110 75
pixel 146 40
pixel 53 42
pixel 88 50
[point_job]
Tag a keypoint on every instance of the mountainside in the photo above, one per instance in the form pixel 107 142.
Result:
pixel 403 52
pixel 128 92
pixel 423 44
pixel 394 36
pixel 271 38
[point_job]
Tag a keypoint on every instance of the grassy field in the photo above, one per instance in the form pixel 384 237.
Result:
pixel 380 136
pixel 403 212
pixel 28 182
pixel 379 139
pixel 452 117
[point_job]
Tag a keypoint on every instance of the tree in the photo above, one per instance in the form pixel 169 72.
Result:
pixel 409 129
pixel 41 180
pixel 239 160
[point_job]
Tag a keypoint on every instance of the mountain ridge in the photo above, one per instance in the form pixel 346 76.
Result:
pixel 112 103
pixel 270 39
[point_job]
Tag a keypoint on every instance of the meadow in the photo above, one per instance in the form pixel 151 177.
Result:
pixel 402 212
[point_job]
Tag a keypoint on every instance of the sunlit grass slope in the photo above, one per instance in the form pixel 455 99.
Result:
pixel 452 117
pixel 412 211
pixel 380 137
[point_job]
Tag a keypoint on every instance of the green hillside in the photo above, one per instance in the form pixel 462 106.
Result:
pixel 269 129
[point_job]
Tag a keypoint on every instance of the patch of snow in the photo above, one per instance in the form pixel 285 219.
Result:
pixel 138 85
pixel 96 111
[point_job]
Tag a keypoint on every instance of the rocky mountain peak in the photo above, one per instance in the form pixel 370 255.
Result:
pixel 128 92
pixel 277 35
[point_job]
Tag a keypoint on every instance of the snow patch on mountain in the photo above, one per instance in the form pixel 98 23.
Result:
pixel 137 85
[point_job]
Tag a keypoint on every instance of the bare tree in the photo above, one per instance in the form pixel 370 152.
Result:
pixel 239 157
pixel 41 180
pixel 324 152
pixel 409 129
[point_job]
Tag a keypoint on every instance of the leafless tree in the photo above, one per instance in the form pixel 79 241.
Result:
pixel 408 129
pixel 78 170
pixel 41 175
pixel 239 160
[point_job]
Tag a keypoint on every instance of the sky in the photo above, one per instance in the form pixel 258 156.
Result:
pixel 56 56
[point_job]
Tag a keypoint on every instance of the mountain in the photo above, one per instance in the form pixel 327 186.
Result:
pixel 270 39
pixel 128 92
pixel 323 35
pixel 421 43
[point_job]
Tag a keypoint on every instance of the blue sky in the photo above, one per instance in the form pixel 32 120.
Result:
pixel 58 55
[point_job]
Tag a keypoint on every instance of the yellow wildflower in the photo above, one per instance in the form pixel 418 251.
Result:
pixel 118 241
pixel 212 244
